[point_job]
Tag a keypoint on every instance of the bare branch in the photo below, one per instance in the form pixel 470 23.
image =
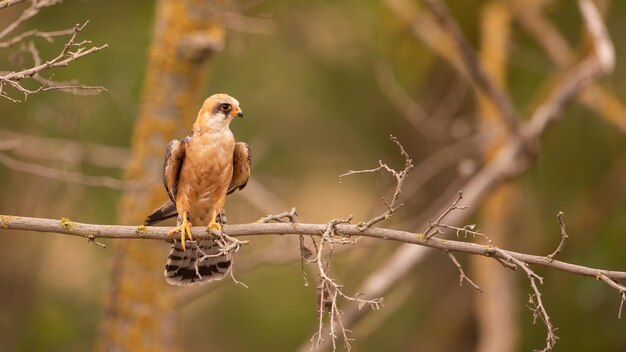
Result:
pixel 600 62
pixel 475 71
pixel 289 215
pixel 329 290
pixel 400 177
pixel 462 275
pixel 67 176
pixel 6 3
pixel 9 222
pixel 556 46
pixel 27 14
pixel 72 51
pixel 48 36
pixel 534 300
pixel 68 151
pixel 564 237
pixel 434 225
pixel 620 288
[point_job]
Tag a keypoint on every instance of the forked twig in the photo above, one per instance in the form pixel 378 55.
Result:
pixel 329 290
pixel 432 229
pixel 72 51
pixel 400 178
pixel 462 275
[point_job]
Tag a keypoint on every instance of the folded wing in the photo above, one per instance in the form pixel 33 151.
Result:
pixel 172 164
pixel 241 167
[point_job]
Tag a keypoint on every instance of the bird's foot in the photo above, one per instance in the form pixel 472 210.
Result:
pixel 185 230
pixel 213 225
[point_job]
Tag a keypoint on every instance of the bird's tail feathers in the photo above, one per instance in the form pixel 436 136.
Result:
pixel 202 262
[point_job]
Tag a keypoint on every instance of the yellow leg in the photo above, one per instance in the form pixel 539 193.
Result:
pixel 214 225
pixel 184 228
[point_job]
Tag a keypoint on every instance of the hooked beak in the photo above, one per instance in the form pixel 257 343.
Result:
pixel 240 113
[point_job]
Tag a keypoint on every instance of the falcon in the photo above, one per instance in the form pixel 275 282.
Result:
pixel 198 173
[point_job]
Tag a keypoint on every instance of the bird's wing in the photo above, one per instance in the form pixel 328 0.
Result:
pixel 241 167
pixel 164 212
pixel 172 164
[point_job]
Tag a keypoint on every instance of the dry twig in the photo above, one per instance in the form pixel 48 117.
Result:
pixel 400 178
pixel 433 227
pixel 564 237
pixel 287 215
pixel 72 51
pixel 620 288
pixel 534 300
pixel 329 290
pixel 462 275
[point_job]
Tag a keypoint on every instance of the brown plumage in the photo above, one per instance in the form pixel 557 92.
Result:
pixel 198 172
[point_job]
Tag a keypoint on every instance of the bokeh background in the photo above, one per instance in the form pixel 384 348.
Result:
pixel 317 82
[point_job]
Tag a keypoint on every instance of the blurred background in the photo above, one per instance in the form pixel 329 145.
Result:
pixel 323 84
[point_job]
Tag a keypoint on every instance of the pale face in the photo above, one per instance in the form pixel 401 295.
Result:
pixel 218 111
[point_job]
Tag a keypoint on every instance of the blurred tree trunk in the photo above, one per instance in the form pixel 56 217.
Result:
pixel 140 314
pixel 496 310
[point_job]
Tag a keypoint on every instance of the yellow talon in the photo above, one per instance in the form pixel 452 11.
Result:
pixel 214 225
pixel 184 228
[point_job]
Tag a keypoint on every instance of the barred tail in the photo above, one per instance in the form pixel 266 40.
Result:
pixel 196 265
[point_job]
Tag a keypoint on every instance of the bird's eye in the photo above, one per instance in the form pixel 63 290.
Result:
pixel 225 107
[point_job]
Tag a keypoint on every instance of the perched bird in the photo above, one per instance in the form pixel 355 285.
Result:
pixel 198 173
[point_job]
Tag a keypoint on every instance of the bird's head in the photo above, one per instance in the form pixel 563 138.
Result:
pixel 218 111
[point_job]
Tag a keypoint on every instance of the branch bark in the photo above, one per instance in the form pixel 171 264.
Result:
pixel 93 232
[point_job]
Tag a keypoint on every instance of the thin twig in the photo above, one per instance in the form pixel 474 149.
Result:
pixel 72 51
pixel 288 215
pixel 434 225
pixel 329 290
pixel 27 14
pixel 400 178
pixel 535 302
pixel 462 275
pixel 621 289
pixel 564 237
